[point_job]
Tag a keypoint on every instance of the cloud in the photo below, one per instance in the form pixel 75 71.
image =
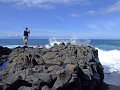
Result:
pixel 43 3
pixel 93 26
pixel 104 26
pixel 59 17
pixel 112 8
pixel 75 15
pixel 91 12
pixel 115 7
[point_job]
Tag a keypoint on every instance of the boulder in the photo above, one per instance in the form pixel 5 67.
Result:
pixel 4 52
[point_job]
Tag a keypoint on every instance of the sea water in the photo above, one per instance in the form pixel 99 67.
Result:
pixel 108 52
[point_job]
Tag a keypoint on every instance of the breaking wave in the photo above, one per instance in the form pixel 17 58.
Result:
pixel 110 60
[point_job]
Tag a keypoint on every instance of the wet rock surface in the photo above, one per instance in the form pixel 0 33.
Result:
pixel 61 67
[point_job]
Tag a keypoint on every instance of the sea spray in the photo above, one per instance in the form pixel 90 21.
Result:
pixel 74 41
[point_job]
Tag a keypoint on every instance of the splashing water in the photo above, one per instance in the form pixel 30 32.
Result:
pixel 73 41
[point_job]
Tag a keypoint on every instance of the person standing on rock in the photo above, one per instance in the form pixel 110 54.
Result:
pixel 26 35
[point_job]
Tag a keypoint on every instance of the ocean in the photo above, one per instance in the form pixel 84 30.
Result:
pixel 108 51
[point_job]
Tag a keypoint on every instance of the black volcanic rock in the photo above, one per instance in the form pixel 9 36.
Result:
pixel 61 67
pixel 4 52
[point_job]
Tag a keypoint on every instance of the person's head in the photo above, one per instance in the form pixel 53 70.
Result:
pixel 26 28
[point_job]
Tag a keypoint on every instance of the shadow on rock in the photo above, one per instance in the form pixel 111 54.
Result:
pixel 18 83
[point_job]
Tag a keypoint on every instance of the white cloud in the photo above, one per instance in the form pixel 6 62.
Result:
pixel 112 8
pixel 59 17
pixel 75 15
pixel 43 3
pixel 91 12
pixel 106 26
pixel 93 26
pixel 115 7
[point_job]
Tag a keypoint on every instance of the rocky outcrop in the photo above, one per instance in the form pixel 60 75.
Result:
pixel 61 67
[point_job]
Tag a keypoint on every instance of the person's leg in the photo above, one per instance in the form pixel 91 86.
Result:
pixel 25 41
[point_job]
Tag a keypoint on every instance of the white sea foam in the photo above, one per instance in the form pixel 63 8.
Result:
pixel 12 46
pixel 110 60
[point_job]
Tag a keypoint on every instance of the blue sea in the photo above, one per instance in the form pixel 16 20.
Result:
pixel 108 50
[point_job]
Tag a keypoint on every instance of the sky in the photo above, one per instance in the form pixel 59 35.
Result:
pixel 85 19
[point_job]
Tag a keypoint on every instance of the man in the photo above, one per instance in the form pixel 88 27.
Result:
pixel 26 35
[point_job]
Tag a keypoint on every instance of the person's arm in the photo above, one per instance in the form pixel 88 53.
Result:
pixel 29 31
